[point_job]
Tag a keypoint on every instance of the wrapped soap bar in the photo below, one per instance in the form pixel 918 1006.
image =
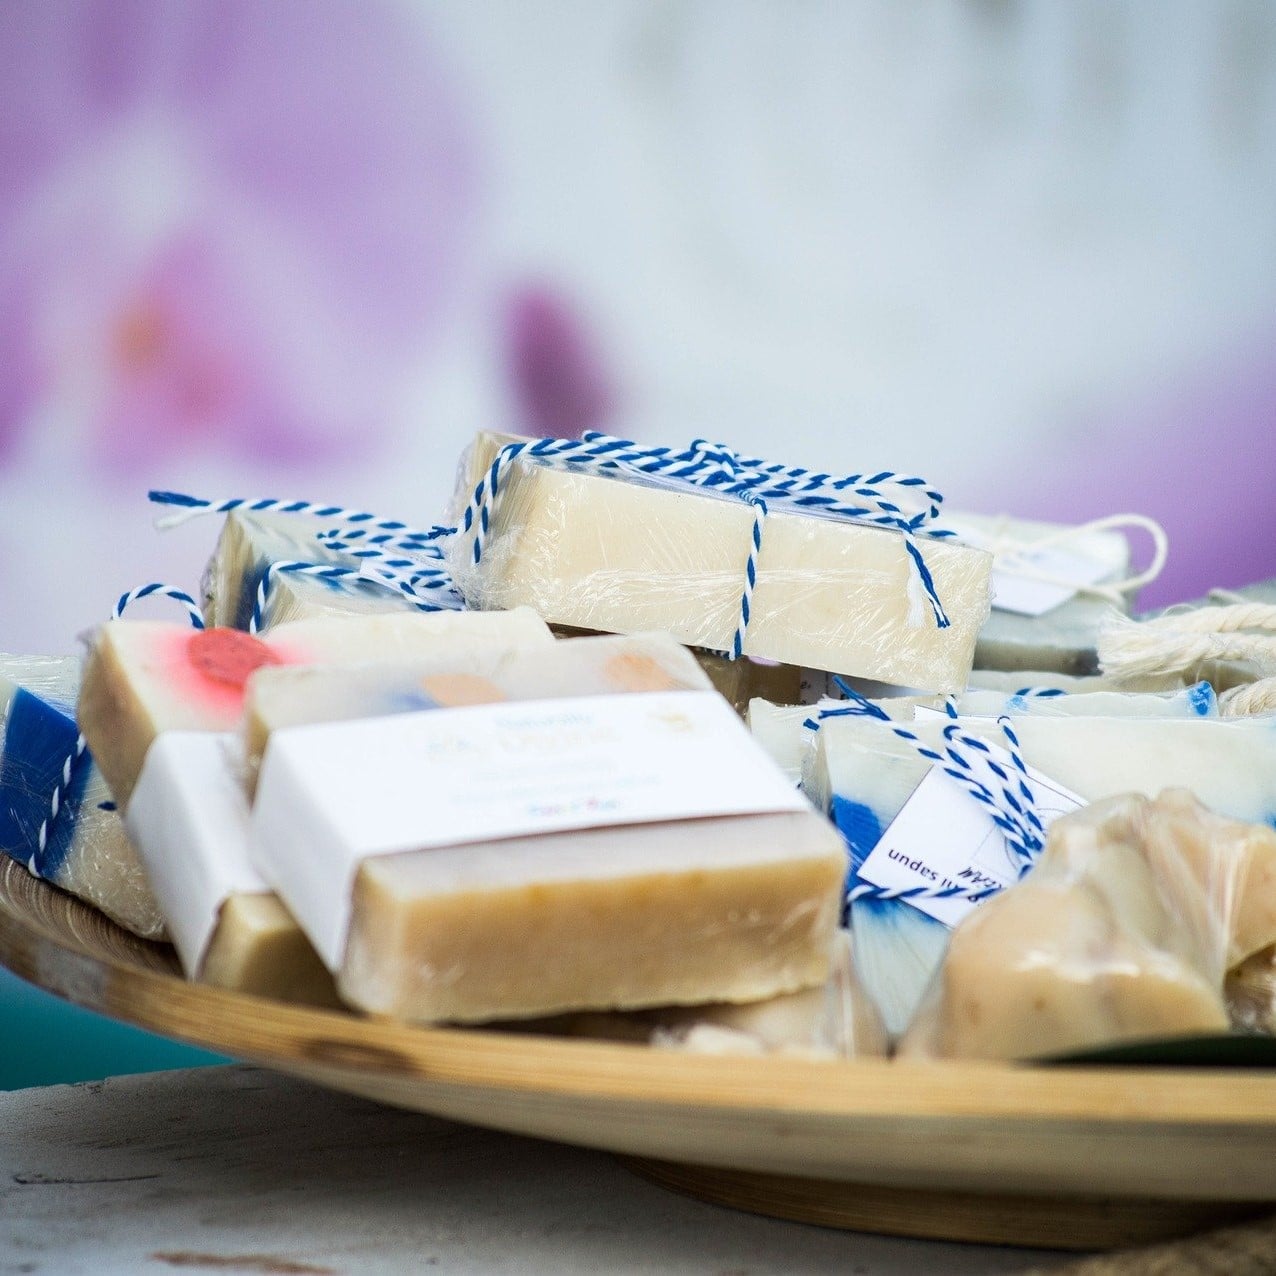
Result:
pixel 1035 623
pixel 145 677
pixel 572 848
pixel 282 696
pixel 1015 681
pixel 834 1021
pixel 1122 931
pixel 862 773
pixel 626 553
pixel 1196 701
pixel 189 820
pixel 738 681
pixel 250 543
pixel 85 849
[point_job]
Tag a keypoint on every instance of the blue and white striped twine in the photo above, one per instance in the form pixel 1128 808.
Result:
pixel 188 507
pixel 1005 792
pixel 72 763
pixel 394 581
pixel 761 483
pixel 372 538
pixel 377 543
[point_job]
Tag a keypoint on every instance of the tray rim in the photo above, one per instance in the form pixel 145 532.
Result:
pixel 283 1035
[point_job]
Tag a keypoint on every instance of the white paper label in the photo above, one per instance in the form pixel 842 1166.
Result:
pixel 1087 559
pixel 188 818
pixel 942 838
pixel 1016 590
pixel 333 794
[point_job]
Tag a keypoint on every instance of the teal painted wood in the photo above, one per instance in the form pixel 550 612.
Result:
pixel 45 1041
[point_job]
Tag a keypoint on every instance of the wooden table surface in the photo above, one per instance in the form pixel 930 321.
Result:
pixel 236 1169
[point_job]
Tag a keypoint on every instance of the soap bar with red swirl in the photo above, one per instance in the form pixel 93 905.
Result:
pixel 145 677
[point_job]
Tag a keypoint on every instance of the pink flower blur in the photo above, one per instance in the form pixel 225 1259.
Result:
pixel 226 226
pixel 561 386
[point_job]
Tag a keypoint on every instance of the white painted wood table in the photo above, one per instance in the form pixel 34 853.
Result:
pixel 236 1169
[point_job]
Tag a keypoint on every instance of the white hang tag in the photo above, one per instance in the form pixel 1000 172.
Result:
pixel 942 837
pixel 1016 590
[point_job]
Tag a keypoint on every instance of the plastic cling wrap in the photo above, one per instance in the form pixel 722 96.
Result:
pixel 1124 930
pixel 862 773
pixel 248 546
pixel 623 555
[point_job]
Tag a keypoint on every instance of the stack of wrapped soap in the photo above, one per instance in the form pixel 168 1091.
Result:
pixel 1126 930
pixel 478 823
pixel 492 773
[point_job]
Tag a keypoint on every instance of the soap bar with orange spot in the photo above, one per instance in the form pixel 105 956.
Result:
pixel 146 677
pixel 602 833
pixel 290 697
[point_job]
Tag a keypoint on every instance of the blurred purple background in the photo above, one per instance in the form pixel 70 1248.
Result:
pixel 255 247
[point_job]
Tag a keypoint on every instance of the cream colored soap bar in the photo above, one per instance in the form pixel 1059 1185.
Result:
pixel 146 677
pixel 1122 931
pixel 593 915
pixel 251 543
pixel 189 820
pixel 835 1021
pixel 738 681
pixel 281 697
pixel 628 556
pixel 730 909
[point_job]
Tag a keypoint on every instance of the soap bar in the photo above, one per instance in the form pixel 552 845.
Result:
pixel 1196 701
pixel 1063 640
pixel 834 1021
pixel 247 547
pixel 738 681
pixel 145 677
pixel 626 556
pixel 1065 637
pixel 1121 932
pixel 862 774
pixel 467 864
pixel 189 820
pixel 87 852
pixel 780 731
pixel 1014 681
pixel 282 696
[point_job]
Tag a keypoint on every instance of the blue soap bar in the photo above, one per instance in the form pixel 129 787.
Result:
pixel 86 850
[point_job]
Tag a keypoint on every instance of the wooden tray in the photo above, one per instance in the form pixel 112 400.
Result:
pixel 1078 1157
